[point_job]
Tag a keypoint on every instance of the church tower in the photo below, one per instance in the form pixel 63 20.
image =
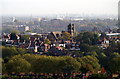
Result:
pixel 71 29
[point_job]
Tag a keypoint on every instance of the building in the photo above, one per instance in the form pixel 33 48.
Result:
pixel 56 35
pixel 23 28
pixel 71 29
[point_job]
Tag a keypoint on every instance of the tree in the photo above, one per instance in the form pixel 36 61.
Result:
pixel 28 31
pixel 25 37
pixel 50 64
pixel 21 50
pixel 85 48
pixel 13 36
pixel 95 39
pixel 93 54
pixel 47 41
pixel 1 61
pixel 51 37
pixel 15 31
pixel 18 64
pixel 103 59
pixel 114 65
pixel 90 48
pixel 3 43
pixel 66 36
pixel 8 51
pixel 87 38
pixel 103 35
pixel 119 48
pixel 114 55
pixel 71 65
pixel 89 63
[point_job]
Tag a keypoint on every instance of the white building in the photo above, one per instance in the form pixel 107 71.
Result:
pixel 23 28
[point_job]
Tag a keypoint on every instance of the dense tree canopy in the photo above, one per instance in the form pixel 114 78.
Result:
pixel 66 36
pixel 25 38
pixel 18 64
pixel 87 38
pixel 47 41
pixel 1 60
pixel 8 51
pixel 114 65
pixel 11 51
pixel 51 64
pixel 89 63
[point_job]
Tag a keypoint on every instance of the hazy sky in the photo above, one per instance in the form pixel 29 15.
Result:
pixel 59 7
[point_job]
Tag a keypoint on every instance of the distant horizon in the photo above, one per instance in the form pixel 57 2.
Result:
pixel 61 15
pixel 56 7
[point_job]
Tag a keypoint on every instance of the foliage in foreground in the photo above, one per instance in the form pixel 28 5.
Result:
pixel 50 64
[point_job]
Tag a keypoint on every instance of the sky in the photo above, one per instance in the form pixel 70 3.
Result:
pixel 39 7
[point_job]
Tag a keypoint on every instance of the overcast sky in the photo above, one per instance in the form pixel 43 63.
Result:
pixel 28 7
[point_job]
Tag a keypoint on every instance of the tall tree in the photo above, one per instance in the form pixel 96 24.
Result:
pixel 18 64
pixel 47 41
pixel 66 36
pixel 114 65
pixel 87 38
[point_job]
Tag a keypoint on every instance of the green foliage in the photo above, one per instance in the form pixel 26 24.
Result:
pixel 61 64
pixel 114 65
pixel 13 36
pixel 11 51
pixel 93 54
pixel 1 60
pixel 118 48
pixel 18 64
pixel 15 31
pixel 89 63
pixel 102 55
pixel 49 64
pixel 102 59
pixel 85 48
pixel 87 38
pixel 66 36
pixel 3 43
pixel 3 68
pixel 51 37
pixel 25 37
pixel 42 64
pixel 28 31
pixel 114 55
pixel 90 48
pixel 70 65
pixel 47 41
pixel 21 50
pixel 114 47
pixel 103 35
pixel 8 51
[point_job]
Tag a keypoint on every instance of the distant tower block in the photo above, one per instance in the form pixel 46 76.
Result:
pixel 71 29
pixel 119 14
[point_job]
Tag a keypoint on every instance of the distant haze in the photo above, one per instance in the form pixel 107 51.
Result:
pixel 39 7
